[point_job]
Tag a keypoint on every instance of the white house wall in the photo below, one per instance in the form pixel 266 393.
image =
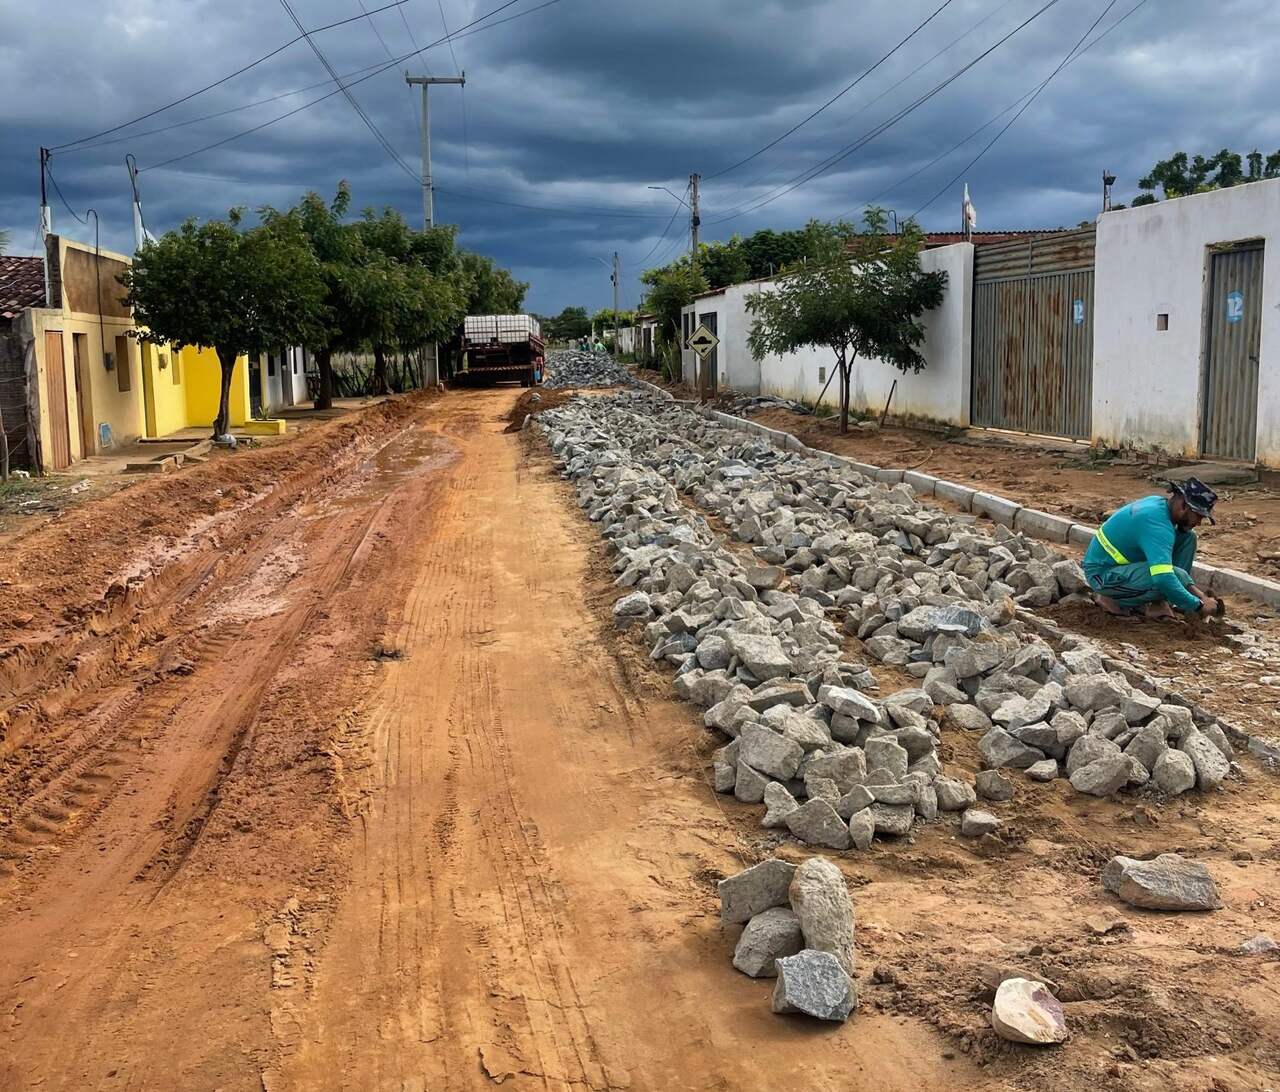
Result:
pixel 940 393
pixel 1154 260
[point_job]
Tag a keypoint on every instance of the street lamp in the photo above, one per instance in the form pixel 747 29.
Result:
pixel 665 190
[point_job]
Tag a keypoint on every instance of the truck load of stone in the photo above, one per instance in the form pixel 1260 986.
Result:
pixel 799 928
pixel 923 589
pixel 578 368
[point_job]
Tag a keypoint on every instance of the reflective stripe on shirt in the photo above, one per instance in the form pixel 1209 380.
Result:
pixel 1112 552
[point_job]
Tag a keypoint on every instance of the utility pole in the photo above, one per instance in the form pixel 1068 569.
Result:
pixel 428 202
pixel 428 197
pixel 617 345
pixel 695 220
pixel 46 220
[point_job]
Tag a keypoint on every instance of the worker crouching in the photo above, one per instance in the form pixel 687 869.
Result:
pixel 1140 560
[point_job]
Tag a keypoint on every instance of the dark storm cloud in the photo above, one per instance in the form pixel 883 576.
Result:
pixel 583 105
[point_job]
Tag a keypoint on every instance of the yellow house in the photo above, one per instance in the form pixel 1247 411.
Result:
pixel 90 385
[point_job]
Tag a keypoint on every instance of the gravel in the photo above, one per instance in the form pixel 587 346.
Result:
pixel 748 611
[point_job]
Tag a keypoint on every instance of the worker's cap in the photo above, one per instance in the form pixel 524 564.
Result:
pixel 1199 497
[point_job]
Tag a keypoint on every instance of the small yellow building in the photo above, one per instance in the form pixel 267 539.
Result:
pixel 90 384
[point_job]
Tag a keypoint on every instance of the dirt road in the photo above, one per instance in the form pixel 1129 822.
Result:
pixel 355 790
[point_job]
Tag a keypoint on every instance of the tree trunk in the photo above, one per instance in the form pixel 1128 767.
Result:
pixel 846 370
pixel 227 366
pixel 380 385
pixel 324 365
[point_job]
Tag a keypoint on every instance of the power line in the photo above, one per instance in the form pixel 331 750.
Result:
pixel 834 98
pixel 640 262
pixel 813 172
pixel 747 186
pixel 48 169
pixel 990 121
pixel 347 94
pixel 224 79
pixel 301 90
pixel 1021 110
pixel 466 144
pixel 321 98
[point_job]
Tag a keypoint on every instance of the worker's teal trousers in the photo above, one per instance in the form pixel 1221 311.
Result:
pixel 1132 585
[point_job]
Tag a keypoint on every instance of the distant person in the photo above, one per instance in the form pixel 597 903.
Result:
pixel 1140 559
pixel 599 346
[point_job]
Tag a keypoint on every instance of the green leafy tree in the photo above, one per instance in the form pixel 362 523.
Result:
pixel 399 301
pixel 860 296
pixel 571 324
pixel 1181 175
pixel 235 291
pixel 335 246
pixel 494 291
pixel 604 320
pixel 723 264
pixel 670 290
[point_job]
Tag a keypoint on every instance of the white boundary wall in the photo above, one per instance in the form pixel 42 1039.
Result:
pixel 941 392
pixel 1153 260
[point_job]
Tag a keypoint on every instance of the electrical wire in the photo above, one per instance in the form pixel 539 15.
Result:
pixel 834 98
pixel 973 29
pixel 321 98
pixel 350 97
pixel 641 261
pixel 821 168
pixel 224 79
pixel 48 169
pixel 1021 110
pixel 466 143
pixel 990 121
pixel 309 87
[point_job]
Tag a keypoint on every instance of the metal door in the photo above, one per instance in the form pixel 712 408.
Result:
pixel 1033 334
pixel 711 362
pixel 59 428
pixel 1233 331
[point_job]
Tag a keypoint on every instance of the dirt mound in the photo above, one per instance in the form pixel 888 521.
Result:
pixel 534 402
pixel 1094 622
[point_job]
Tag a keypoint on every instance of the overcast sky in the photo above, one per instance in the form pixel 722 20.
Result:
pixel 583 105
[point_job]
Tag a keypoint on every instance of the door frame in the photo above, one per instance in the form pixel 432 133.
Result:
pixel 1257 242
pixel 84 394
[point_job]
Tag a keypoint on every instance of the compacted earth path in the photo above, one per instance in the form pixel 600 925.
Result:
pixel 323 768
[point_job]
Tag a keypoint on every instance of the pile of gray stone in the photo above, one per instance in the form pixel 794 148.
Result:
pixel 745 405
pixel 752 631
pixel 578 368
pixel 798 928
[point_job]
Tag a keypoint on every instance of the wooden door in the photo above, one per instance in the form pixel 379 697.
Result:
pixel 59 428
pixel 80 370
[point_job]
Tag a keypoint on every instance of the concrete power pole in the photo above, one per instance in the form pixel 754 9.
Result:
pixel 615 277
pixel 695 220
pixel 428 196
pixel 428 201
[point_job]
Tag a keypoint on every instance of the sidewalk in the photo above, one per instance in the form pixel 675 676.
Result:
pixel 1054 476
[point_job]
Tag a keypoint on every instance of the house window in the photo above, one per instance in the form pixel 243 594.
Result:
pixel 124 378
pixel 1162 321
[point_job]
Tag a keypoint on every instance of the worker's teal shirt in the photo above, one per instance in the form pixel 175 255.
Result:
pixel 1143 532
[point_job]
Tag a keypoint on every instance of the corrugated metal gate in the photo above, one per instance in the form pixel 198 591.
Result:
pixel 1033 334
pixel 711 362
pixel 1233 332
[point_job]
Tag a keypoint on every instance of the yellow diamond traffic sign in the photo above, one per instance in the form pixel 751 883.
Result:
pixel 702 341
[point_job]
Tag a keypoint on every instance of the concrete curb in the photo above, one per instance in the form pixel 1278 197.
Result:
pixel 1029 521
